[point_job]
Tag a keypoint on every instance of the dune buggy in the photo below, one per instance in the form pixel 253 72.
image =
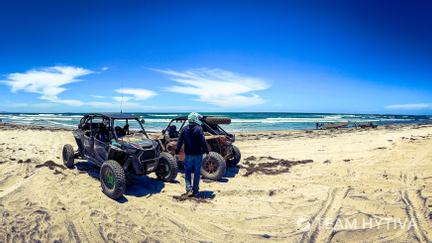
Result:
pixel 220 143
pixel 119 145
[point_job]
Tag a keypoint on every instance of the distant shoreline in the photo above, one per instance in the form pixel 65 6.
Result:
pixel 12 126
pixel 217 112
pixel 240 122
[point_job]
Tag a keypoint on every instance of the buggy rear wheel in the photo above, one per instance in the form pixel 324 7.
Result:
pixel 68 156
pixel 113 179
pixel 167 168
pixel 235 159
pixel 213 166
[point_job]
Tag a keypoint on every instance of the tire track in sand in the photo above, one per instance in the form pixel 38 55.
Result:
pixel 416 211
pixel 327 215
pixel 81 234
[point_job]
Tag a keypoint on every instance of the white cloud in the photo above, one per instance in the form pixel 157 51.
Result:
pixel 138 94
pixel 48 82
pixel 124 98
pixel 70 102
pixel 216 86
pixel 9 105
pixel 98 96
pixel 417 106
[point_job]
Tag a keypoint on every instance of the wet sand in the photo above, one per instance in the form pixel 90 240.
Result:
pixel 294 186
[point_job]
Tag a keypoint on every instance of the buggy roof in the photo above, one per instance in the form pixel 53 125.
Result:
pixel 114 115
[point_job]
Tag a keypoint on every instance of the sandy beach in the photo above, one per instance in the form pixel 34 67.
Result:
pixel 298 186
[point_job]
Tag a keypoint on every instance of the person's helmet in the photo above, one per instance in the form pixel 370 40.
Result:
pixel 194 117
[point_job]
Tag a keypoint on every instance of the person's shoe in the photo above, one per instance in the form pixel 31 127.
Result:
pixel 195 194
pixel 189 193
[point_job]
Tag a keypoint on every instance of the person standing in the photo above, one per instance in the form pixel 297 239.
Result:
pixel 192 136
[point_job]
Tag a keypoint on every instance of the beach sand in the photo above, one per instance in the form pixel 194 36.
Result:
pixel 300 186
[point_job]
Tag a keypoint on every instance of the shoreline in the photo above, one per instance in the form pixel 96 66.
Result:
pixel 240 121
pixel 9 126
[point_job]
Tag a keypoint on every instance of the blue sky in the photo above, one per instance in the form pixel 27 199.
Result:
pixel 294 56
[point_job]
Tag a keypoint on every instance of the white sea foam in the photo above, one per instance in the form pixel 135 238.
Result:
pixel 61 124
pixel 291 120
pixel 38 114
pixel 156 122
pixel 335 117
pixel 37 118
pixel 163 115
pixel 299 120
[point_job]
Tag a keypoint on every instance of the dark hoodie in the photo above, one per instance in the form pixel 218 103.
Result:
pixel 192 137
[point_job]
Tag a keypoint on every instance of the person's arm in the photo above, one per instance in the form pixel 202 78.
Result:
pixel 203 143
pixel 180 142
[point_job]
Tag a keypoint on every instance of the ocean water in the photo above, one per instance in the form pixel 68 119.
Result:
pixel 241 121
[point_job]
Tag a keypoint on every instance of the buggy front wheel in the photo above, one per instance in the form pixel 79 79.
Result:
pixel 113 179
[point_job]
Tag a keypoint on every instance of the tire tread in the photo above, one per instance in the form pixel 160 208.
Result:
pixel 220 172
pixel 69 162
pixel 120 182
pixel 173 167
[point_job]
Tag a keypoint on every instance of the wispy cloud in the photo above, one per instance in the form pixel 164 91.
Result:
pixel 137 94
pixel 217 86
pixel 70 102
pixel 98 96
pixel 113 105
pixel 48 82
pixel 417 106
pixel 124 98
pixel 9 105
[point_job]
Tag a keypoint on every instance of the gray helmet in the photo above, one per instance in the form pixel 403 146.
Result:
pixel 194 117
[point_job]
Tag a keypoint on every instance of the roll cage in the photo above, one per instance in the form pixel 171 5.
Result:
pixel 94 128
pixel 213 129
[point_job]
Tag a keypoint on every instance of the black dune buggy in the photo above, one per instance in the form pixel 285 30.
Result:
pixel 221 144
pixel 119 145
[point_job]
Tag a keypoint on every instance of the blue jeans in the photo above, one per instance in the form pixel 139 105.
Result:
pixel 192 163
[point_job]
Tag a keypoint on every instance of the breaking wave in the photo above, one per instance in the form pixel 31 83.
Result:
pixel 239 122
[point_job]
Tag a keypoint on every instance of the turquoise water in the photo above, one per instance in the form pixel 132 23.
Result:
pixel 241 121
